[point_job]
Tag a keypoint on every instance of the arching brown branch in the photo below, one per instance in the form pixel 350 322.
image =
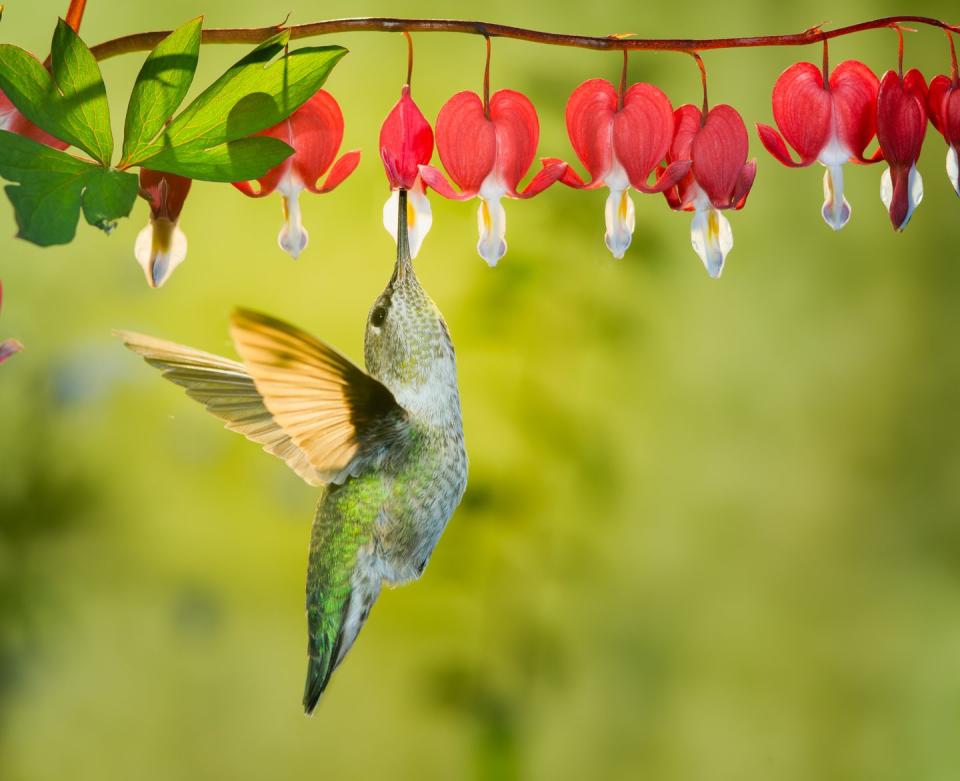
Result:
pixel 147 40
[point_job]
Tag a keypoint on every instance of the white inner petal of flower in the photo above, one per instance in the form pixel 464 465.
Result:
pixel 620 217
pixel 160 247
pixel 492 220
pixel 953 168
pixel 419 215
pixel 710 235
pixel 836 209
pixel 914 192
pixel 293 236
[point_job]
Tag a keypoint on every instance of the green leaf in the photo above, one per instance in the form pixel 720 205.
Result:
pixel 161 86
pixel 109 195
pixel 53 186
pixel 80 115
pixel 84 95
pixel 234 161
pixel 29 87
pixel 252 95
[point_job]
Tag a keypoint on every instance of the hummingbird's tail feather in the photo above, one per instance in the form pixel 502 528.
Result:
pixel 228 391
pixel 342 579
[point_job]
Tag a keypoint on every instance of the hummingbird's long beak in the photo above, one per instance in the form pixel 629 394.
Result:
pixel 404 263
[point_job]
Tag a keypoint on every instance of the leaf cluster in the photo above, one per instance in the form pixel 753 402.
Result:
pixel 212 139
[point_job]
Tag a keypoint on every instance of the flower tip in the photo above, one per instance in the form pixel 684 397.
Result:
pixel 160 247
pixel 8 347
pixel 293 242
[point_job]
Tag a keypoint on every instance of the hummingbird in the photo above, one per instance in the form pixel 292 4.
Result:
pixel 386 443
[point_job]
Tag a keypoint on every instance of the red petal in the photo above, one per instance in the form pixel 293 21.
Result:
pixel 642 132
pixel 552 171
pixel 316 130
pixel 589 116
pixel 436 180
pixel 901 117
pixel 406 141
pixel 686 120
pixel 569 177
pixel 854 89
pixel 900 200
pixel 952 111
pixel 777 147
pixel 340 171
pixel 247 189
pixel 802 110
pixel 936 101
pixel 517 134
pixel 744 182
pixel 669 177
pixel 719 151
pixel 165 192
pixel 466 141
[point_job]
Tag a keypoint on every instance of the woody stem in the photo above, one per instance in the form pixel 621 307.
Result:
pixel 147 40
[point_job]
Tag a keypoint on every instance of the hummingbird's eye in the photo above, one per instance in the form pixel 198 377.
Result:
pixel 378 316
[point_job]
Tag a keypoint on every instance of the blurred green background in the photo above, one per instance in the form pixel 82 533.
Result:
pixel 711 528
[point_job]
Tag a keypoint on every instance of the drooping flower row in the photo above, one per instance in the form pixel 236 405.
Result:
pixel 626 138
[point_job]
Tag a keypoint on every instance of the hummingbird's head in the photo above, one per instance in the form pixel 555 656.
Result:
pixel 407 345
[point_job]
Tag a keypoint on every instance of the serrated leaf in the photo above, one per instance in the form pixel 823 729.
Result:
pixel 53 186
pixel 161 86
pixel 83 94
pixel 235 161
pixel 252 95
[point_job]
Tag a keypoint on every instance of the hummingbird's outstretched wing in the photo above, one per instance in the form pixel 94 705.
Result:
pixel 227 390
pixel 343 419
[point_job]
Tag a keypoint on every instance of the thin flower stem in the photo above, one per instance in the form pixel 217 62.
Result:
pixel 954 74
pixel 899 30
pixel 75 14
pixel 623 78
pixel 409 56
pixel 703 81
pixel 486 81
pixel 826 65
pixel 147 40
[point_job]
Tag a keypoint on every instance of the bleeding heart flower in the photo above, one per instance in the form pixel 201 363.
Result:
pixel 621 142
pixel 314 131
pixel 8 346
pixel 943 101
pixel 161 245
pixel 720 178
pixel 830 123
pixel 487 154
pixel 406 143
pixel 901 125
